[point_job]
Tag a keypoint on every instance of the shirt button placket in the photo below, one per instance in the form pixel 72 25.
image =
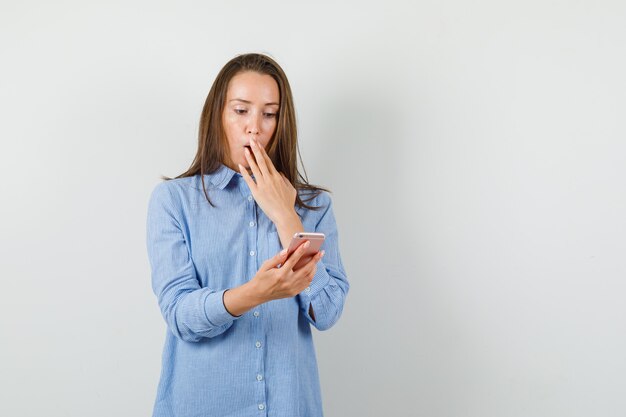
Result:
pixel 257 324
pixel 260 380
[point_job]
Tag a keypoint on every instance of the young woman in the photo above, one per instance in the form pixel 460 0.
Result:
pixel 239 314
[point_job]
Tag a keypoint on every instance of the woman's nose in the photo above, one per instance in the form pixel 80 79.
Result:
pixel 254 125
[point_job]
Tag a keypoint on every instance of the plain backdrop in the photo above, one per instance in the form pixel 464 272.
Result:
pixel 477 156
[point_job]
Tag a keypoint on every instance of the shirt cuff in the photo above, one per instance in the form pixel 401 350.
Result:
pixel 216 312
pixel 320 280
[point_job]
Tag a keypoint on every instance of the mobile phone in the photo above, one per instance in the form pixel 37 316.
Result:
pixel 299 238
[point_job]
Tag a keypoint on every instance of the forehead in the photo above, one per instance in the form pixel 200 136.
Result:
pixel 255 87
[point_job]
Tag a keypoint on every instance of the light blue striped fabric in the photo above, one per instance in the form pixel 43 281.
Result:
pixel 263 362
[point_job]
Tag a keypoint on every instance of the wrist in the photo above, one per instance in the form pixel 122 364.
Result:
pixel 253 293
pixel 286 219
pixel 240 299
pixel 287 227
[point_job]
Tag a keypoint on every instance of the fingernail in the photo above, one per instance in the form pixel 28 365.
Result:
pixel 283 252
pixel 323 252
pixel 307 244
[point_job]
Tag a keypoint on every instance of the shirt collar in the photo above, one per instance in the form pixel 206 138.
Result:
pixel 222 176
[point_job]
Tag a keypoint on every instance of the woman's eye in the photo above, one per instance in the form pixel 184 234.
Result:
pixel 270 114
pixel 240 111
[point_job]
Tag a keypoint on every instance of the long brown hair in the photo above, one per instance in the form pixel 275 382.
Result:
pixel 283 146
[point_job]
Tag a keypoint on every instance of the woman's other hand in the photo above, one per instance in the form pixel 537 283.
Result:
pixel 273 282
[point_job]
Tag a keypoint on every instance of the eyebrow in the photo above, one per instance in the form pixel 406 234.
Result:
pixel 249 102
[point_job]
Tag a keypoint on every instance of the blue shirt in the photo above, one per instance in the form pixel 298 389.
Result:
pixel 263 362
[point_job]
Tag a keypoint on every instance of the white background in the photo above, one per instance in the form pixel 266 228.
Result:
pixel 476 151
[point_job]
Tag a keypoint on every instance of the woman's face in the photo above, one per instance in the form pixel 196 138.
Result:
pixel 251 110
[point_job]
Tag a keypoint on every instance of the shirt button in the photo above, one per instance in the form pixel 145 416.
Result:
pixel 251 224
pixel 256 314
pixel 261 407
pixel 257 344
pixel 307 289
pixel 259 377
pixel 251 253
pixel 250 198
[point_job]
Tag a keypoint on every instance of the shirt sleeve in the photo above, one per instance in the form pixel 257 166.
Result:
pixel 190 312
pixel 329 288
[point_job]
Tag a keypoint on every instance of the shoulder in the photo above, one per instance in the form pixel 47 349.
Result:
pixel 172 192
pixel 323 200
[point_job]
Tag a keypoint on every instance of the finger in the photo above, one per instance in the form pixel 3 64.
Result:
pixel 276 260
pixel 311 264
pixel 316 257
pixel 253 166
pixel 295 257
pixel 260 159
pixel 307 278
pixel 247 178
pixel 307 270
pixel 268 161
